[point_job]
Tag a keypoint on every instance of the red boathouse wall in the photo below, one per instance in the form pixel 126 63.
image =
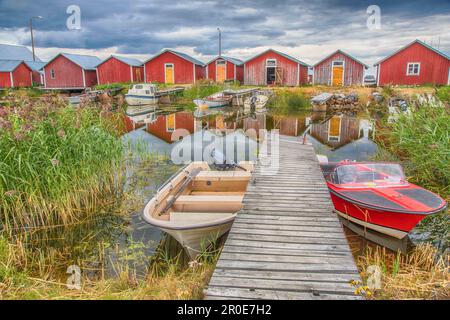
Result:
pixel 113 70
pixel 353 70
pixel 255 70
pixel 67 74
pixel 434 68
pixel 183 69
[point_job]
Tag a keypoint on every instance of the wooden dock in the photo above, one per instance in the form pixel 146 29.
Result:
pixel 286 243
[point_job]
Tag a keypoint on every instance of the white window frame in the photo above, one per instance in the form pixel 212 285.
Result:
pixel 412 74
pixel 173 71
pixel 52 74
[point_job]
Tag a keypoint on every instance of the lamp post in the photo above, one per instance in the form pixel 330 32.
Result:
pixel 31 31
pixel 220 42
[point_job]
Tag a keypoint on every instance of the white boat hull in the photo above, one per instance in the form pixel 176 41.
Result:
pixel 196 240
pixel 211 104
pixel 384 230
pixel 135 100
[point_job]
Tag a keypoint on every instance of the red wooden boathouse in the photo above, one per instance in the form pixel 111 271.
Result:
pixel 173 67
pixel 223 68
pixel 272 67
pixel 14 74
pixel 71 71
pixel 339 69
pixel 21 53
pixel 120 69
pixel 415 64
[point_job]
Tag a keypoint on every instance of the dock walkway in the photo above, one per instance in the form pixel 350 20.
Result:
pixel 286 243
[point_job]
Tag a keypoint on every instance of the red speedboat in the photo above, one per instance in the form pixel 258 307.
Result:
pixel 377 196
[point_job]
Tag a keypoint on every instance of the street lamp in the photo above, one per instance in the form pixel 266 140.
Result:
pixel 220 42
pixel 31 31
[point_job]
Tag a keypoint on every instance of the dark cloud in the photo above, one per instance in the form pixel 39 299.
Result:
pixel 146 26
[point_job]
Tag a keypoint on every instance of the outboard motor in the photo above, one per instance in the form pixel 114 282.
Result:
pixel 221 163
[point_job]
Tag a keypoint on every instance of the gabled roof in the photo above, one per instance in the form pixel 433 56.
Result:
pixel 84 61
pixel 16 52
pixel 130 61
pixel 229 59
pixel 281 54
pixel 9 65
pixel 35 65
pixel 344 53
pixel 180 54
pixel 410 44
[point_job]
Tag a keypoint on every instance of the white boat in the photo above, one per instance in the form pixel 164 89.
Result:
pixel 198 205
pixel 142 94
pixel 258 100
pixel 217 100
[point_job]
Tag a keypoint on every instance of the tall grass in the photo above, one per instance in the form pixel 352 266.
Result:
pixel 57 163
pixel 421 274
pixel 287 101
pixel 422 142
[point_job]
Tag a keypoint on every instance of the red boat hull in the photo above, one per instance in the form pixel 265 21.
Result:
pixel 394 224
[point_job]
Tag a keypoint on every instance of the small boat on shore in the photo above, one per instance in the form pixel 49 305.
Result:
pixel 217 100
pixel 259 102
pixel 197 205
pixel 377 196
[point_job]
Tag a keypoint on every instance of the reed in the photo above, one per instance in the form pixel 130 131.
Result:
pixel 421 141
pixel 421 274
pixel 166 278
pixel 58 163
pixel 288 101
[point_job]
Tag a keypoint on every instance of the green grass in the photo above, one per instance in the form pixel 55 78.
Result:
pixel 57 163
pixel 422 142
pixel 289 102
pixel 117 85
pixel 443 93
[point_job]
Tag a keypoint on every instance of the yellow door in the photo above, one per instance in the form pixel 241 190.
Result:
pixel 170 122
pixel 169 74
pixel 338 75
pixel 221 71
pixel 334 129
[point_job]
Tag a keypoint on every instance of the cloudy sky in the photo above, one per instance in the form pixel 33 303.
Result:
pixel 308 30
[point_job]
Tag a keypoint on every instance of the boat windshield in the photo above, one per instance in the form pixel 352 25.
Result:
pixel 369 175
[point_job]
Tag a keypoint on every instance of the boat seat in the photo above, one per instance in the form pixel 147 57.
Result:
pixel 188 218
pixel 223 176
pixel 208 203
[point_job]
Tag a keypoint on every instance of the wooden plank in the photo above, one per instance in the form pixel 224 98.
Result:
pixel 240 293
pixel 286 242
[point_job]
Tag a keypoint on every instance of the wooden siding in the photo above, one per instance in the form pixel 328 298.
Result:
pixel 353 70
pixel 255 70
pixel 200 72
pixel 138 74
pixel 183 120
pixel 5 80
pixel 434 68
pixel 230 71
pixel 22 76
pixel 67 74
pixel 183 69
pixel 113 70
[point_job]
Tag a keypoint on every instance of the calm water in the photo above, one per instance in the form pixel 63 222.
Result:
pixel 108 239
